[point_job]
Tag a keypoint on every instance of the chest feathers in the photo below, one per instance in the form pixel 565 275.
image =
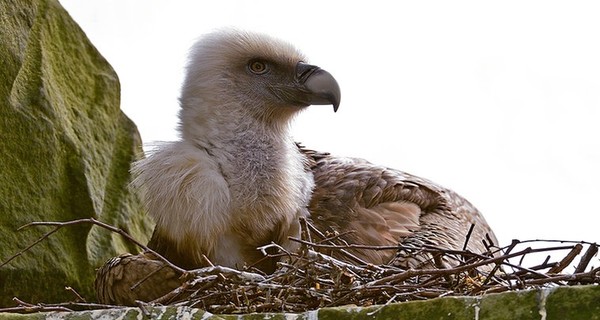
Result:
pixel 224 201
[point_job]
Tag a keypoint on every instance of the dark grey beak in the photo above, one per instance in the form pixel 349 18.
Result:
pixel 320 85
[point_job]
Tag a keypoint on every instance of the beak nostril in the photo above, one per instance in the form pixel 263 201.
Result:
pixel 304 70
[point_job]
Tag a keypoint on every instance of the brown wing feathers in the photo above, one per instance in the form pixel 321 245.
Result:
pixel 373 205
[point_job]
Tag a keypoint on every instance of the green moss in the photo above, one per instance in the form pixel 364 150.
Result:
pixel 66 153
pixel 510 305
pixel 581 302
pixel 15 316
pixel 443 308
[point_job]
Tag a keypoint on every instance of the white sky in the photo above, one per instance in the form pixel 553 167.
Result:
pixel 498 100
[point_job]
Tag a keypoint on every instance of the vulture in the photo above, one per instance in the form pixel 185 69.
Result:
pixel 236 180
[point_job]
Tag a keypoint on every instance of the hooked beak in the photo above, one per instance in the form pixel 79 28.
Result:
pixel 318 86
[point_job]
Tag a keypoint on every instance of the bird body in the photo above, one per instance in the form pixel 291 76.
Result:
pixel 237 180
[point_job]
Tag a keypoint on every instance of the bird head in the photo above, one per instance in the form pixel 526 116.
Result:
pixel 234 75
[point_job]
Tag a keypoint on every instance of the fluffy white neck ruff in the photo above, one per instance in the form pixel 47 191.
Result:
pixel 234 182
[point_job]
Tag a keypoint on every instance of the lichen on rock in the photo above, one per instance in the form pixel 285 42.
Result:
pixel 65 153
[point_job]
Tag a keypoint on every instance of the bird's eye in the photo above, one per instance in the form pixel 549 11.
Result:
pixel 258 67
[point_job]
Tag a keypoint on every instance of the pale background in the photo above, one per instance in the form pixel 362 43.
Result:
pixel 499 101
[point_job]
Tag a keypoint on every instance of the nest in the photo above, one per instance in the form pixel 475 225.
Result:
pixel 309 279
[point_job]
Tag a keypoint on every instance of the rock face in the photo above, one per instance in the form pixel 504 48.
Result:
pixel 577 302
pixel 65 153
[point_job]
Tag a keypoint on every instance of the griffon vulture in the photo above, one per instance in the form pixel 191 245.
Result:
pixel 236 180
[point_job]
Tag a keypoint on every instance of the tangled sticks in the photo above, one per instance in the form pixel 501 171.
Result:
pixel 310 279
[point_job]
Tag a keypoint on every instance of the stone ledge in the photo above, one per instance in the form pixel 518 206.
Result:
pixel 562 303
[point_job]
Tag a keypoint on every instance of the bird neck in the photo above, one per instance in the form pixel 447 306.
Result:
pixel 267 185
pixel 219 125
pixel 253 156
pixel 249 150
pixel 257 158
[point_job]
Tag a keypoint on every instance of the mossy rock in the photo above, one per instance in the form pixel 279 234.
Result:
pixel 65 153
pixel 564 303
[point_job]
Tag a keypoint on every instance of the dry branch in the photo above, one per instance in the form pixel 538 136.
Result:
pixel 309 279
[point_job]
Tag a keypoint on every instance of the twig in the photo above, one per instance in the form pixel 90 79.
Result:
pixel 79 297
pixel 28 307
pixel 59 225
pixel 46 235
pixel 311 228
pixel 468 237
pixel 567 259
pixel 587 257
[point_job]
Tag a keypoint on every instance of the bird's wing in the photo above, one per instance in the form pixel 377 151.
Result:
pixel 374 205
pixel 127 278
